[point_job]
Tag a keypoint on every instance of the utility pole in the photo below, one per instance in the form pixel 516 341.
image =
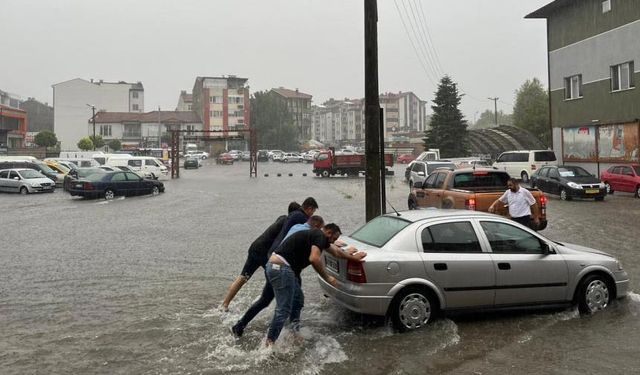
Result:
pixel 373 196
pixel 495 108
pixel 93 120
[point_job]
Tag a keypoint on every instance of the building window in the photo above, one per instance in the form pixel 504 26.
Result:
pixel 622 76
pixel 573 87
pixel 606 6
pixel 134 94
pixel 215 99
pixel 189 107
pixel 105 130
pixel 215 113
pixel 135 107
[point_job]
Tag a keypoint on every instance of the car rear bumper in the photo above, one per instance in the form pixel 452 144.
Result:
pixel 373 305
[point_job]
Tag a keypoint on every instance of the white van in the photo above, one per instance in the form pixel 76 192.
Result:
pixel 140 163
pixel 521 164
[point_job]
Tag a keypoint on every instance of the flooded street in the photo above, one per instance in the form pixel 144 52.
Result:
pixel 132 286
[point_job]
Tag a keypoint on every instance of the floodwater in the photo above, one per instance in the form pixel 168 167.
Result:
pixel 131 286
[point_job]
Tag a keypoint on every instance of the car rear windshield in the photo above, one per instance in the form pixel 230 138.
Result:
pixel 480 179
pixel 544 156
pixel 380 230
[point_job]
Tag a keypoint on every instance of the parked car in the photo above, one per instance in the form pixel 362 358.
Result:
pixel 112 184
pixel 225 158
pixel 310 156
pixel 421 169
pixel 568 182
pixel 143 174
pixel 25 181
pixel 198 154
pixel 149 164
pixel 246 156
pixel 405 159
pixel 191 162
pixel 473 164
pixel 291 157
pixel 522 164
pixel 236 154
pixel 32 164
pixel 263 155
pixel 426 262
pixel 80 173
pixel 622 178
pixel 275 154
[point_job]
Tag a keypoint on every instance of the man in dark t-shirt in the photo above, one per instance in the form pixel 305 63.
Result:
pixel 286 263
pixel 258 254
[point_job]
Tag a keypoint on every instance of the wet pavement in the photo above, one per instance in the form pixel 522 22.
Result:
pixel 131 286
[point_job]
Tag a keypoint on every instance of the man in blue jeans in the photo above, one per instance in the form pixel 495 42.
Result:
pixel 287 262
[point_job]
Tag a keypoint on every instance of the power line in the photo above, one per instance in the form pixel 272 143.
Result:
pixel 421 22
pixel 435 52
pixel 419 41
pixel 420 37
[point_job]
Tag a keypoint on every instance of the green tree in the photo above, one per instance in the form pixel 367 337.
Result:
pixel 115 145
pixel 531 111
pixel 448 128
pixel 273 122
pixel 46 139
pixel 85 144
pixel 488 119
pixel 98 142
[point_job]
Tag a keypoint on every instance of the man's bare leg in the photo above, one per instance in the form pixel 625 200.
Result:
pixel 233 290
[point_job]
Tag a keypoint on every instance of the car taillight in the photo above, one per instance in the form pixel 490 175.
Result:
pixel 87 186
pixel 533 167
pixel 470 204
pixel 543 205
pixel 355 272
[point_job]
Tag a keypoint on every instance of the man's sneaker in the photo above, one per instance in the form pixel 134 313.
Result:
pixel 237 330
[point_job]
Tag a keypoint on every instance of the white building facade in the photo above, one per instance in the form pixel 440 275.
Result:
pixel 72 101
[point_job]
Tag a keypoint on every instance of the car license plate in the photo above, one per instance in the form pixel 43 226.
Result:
pixel 332 264
pixel 592 191
pixel 78 185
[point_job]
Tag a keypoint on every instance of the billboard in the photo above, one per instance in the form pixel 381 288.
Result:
pixel 618 143
pixel 579 144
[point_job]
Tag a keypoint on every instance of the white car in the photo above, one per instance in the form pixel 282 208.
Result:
pixel 202 155
pixel 290 157
pixel 24 181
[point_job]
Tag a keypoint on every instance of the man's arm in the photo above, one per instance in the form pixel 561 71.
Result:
pixel 316 262
pixel 349 253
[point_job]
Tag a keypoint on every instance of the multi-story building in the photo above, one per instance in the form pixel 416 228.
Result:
pixel 593 54
pixel 135 129
pixel 73 101
pixel 404 113
pixel 338 122
pixel 185 102
pixel 13 128
pixel 40 115
pixel 222 103
pixel 299 105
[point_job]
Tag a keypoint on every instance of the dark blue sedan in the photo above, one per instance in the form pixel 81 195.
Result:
pixel 111 184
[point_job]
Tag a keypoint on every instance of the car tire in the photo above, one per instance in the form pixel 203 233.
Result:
pixel 325 173
pixel 607 186
pixel 564 195
pixel 525 177
pixel 286 160
pixel 155 190
pixel 24 190
pixel 638 191
pixel 412 308
pixel 594 294
pixel 109 194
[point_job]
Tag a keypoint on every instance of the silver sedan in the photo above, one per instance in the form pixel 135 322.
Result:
pixel 421 263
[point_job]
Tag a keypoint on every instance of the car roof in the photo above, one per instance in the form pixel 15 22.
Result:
pixel 436 213
pixel 18 169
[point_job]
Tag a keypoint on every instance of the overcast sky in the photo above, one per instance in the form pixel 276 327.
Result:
pixel 486 46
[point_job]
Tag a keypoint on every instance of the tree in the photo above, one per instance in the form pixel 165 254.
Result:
pixel 531 111
pixel 115 145
pixel 448 128
pixel 46 139
pixel 488 119
pixel 85 144
pixel 273 122
pixel 98 142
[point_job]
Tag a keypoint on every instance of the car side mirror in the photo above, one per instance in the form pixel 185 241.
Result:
pixel 418 185
pixel 16 178
pixel 546 250
pixel 421 174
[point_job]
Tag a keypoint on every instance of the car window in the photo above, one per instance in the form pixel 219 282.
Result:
pixel 544 172
pixel 522 157
pixel 132 176
pixel 118 177
pixel 4 174
pixel 544 156
pixel 553 172
pixel 430 181
pixel 637 169
pixel 502 158
pixel 440 180
pixel 135 162
pixel 380 230
pixel 450 238
pixel 150 162
pixel 626 171
pixel 13 174
pixel 506 238
pixel 322 157
pixel 480 179
pixel 616 170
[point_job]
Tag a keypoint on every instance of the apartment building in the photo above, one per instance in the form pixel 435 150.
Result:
pixel 338 122
pixel 403 112
pixel 185 102
pixel 594 57
pixel 73 101
pixel 299 105
pixel 222 103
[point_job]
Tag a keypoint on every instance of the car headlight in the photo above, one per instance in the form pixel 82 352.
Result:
pixel 35 184
pixel 601 185
pixel 574 185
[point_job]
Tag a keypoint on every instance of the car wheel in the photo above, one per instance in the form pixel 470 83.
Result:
pixel 286 160
pixel 412 308
pixel 109 194
pixel 608 187
pixel 564 195
pixel 594 294
pixel 155 190
pixel 525 177
pixel 24 190
pixel 638 191
pixel 325 173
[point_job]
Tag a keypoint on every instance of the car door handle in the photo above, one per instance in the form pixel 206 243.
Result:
pixel 440 266
pixel 504 266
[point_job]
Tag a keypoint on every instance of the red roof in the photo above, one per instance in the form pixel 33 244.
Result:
pixel 149 117
pixel 292 94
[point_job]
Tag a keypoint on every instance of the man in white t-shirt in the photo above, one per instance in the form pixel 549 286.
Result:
pixel 520 202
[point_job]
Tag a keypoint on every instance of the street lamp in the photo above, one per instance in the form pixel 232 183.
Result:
pixel 93 119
